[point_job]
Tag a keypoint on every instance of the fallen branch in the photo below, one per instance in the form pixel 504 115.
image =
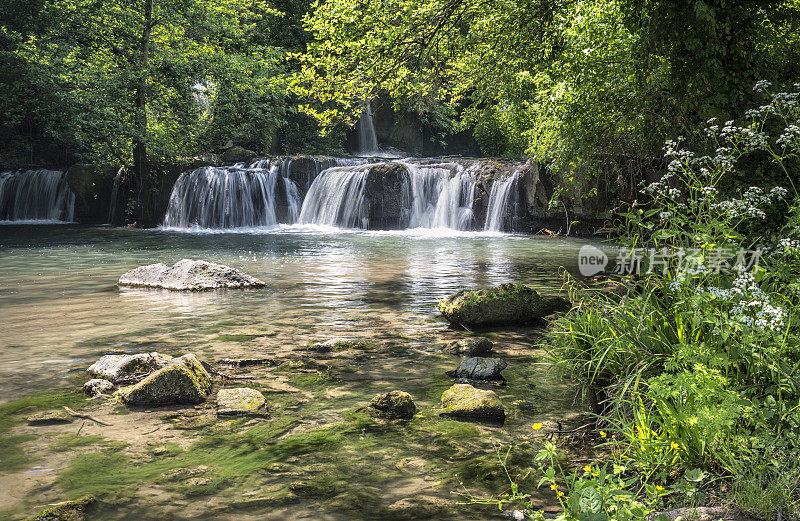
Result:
pixel 85 416
pixel 230 377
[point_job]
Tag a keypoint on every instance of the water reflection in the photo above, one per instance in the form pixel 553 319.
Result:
pixel 59 300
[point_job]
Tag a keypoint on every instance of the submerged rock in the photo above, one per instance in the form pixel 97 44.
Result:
pixel 463 401
pixel 394 404
pixel 119 367
pixel 504 304
pixel 66 511
pixel 97 386
pixel 338 344
pixel 469 347
pixel 55 417
pixel 189 275
pixel 478 368
pixel 183 381
pixel 239 401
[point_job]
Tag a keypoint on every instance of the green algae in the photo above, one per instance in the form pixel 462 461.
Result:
pixel 12 455
pixel 72 441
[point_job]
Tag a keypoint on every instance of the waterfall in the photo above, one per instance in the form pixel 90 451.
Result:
pixel 36 195
pixel 335 198
pixel 112 206
pixel 367 140
pixel 442 195
pixel 498 202
pixel 230 197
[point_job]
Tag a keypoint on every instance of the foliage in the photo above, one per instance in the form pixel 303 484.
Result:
pixel 696 365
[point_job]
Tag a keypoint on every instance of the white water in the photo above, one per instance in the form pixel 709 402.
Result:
pixel 112 206
pixel 442 195
pixel 36 195
pixel 498 202
pixel 335 198
pixel 436 195
pixel 367 139
pixel 229 197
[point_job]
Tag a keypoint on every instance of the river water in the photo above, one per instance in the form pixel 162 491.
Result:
pixel 61 310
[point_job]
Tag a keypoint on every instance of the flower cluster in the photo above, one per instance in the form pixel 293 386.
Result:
pixel 751 306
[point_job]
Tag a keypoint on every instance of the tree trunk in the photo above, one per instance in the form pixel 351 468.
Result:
pixel 140 167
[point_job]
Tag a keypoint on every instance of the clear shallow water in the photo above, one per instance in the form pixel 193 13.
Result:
pixel 61 307
pixel 61 310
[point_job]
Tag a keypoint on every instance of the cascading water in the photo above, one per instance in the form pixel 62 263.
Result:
pixel 112 207
pixel 230 197
pixel 498 202
pixel 36 195
pixel 442 195
pixel 367 139
pixel 346 193
pixel 335 197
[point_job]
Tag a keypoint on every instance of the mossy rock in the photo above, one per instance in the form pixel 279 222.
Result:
pixel 465 402
pixel 479 368
pixel 394 404
pixel 66 511
pixel 469 347
pixel 184 381
pixel 239 401
pixel 504 304
pixel 116 367
pixel 55 417
pixel 338 344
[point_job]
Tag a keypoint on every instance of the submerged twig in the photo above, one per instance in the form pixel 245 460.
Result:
pixel 231 377
pixel 85 416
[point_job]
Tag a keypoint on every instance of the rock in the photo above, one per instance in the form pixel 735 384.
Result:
pixel 504 304
pixel 463 401
pixel 189 275
pixel 238 154
pixel 385 193
pixel 118 367
pixel 97 386
pixel 337 344
pixel 470 347
pixel 66 511
pixel 478 368
pixel 55 417
pixel 245 362
pixel 183 381
pixel 394 404
pixel 239 401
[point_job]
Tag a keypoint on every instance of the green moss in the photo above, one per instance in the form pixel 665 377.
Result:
pixel 12 456
pixel 318 380
pixel 67 511
pixel 71 441
pixel 237 338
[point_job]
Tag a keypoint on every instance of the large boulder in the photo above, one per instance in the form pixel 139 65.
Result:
pixel 465 402
pixel 469 347
pixel 239 401
pixel 386 196
pixel 183 381
pixel 478 368
pixel 504 304
pixel 394 404
pixel 119 367
pixel 189 275
pixel 237 154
